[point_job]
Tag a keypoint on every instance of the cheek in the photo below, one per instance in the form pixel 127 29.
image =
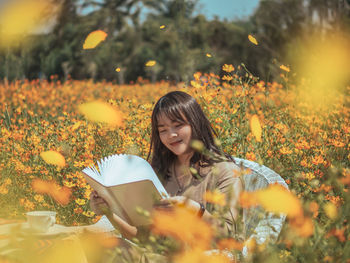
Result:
pixel 162 137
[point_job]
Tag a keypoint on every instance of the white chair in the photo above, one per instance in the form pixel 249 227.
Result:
pixel 260 225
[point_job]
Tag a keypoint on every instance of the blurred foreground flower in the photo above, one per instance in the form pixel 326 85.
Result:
pixel 98 111
pixel 252 39
pixel 183 225
pixel 275 198
pixel 19 17
pixel 61 194
pixel 94 38
pixel 255 127
pixel 53 157
pixel 200 256
pixel 215 197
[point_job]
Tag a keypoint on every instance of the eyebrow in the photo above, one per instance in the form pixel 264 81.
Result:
pixel 161 125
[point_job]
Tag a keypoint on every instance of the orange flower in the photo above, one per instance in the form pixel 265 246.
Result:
pixel 230 244
pixel 274 199
pixel 317 160
pixel 199 256
pixel 183 225
pixel 303 226
pixel 215 197
pixel 60 194
pixel 313 207
pixel 285 68
pixel 228 68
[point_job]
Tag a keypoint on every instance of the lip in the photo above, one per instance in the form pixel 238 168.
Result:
pixel 175 143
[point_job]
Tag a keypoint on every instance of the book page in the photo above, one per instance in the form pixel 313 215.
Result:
pixel 123 169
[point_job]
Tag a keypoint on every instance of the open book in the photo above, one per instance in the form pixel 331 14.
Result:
pixel 128 184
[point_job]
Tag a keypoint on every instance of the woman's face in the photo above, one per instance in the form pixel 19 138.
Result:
pixel 175 135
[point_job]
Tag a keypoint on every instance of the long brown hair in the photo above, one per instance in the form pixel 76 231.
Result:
pixel 176 105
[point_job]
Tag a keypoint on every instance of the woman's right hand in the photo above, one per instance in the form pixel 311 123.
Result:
pixel 97 203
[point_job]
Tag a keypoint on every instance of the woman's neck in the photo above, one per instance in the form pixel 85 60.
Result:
pixel 184 159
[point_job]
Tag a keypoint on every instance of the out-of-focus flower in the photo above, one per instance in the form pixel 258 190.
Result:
pixel 215 197
pixel 230 244
pixel 285 68
pixel 228 68
pixel 183 225
pixel 61 194
pixel 331 210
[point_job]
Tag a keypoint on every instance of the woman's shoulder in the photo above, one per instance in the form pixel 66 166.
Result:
pixel 225 167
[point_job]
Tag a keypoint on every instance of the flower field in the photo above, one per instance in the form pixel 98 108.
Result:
pixel 306 144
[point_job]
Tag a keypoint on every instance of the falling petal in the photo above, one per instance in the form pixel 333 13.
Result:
pixel 150 63
pixel 98 111
pixel 52 157
pixel 252 39
pixel 255 127
pixel 94 38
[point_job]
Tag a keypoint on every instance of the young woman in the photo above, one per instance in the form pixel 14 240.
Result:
pixel 177 120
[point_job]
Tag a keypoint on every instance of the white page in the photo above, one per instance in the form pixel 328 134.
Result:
pixel 122 169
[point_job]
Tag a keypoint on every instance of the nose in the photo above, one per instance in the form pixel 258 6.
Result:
pixel 172 133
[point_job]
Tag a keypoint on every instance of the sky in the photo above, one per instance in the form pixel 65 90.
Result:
pixel 229 9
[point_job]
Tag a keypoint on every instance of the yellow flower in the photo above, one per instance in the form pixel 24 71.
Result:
pixel 283 67
pixel 80 201
pixel 215 197
pixel 226 77
pixel 330 210
pixel 228 68
pixel 183 225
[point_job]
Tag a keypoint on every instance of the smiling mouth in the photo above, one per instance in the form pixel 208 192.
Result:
pixel 175 143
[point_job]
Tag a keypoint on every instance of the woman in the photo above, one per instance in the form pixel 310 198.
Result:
pixel 177 120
